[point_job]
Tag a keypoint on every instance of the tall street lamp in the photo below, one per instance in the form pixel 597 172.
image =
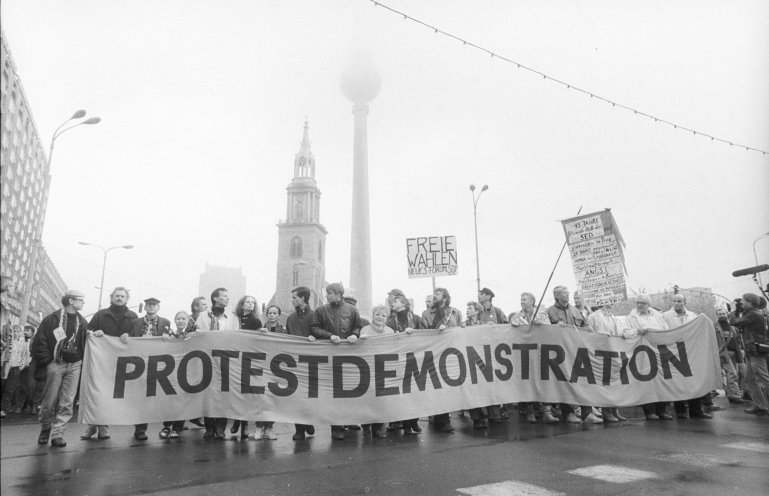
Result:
pixel 755 255
pixel 475 221
pixel 104 262
pixel 37 241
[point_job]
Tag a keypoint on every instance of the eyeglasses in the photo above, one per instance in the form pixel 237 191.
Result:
pixel 78 299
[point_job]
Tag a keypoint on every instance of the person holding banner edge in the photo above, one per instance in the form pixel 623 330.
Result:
pixel 117 321
pixel 564 314
pixel 298 324
pixel 445 317
pixel 336 321
pixel 643 319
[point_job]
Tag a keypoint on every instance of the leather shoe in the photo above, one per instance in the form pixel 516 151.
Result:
pixel 652 416
pixel 58 442
pixel 446 428
pixel 666 416
pixel 298 436
pixel 479 424
pixel 310 429
pixel 45 435
pixel 549 418
pixel 140 436
pixel 701 415
pixel 755 410
pixel 338 435
pixel 682 415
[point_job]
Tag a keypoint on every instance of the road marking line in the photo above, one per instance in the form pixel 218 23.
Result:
pixel 613 473
pixel 695 459
pixel 509 488
pixel 760 447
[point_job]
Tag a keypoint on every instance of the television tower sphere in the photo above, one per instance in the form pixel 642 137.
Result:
pixel 360 82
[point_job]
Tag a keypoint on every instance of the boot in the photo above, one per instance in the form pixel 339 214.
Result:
pixel 45 435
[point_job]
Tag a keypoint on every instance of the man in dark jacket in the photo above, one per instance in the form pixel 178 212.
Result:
pixel 150 325
pixel 117 321
pixel 298 324
pixel 59 348
pixel 336 321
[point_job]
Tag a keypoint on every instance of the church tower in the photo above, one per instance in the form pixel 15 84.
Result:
pixel 301 237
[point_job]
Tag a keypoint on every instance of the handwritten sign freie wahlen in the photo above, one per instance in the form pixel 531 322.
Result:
pixel 432 256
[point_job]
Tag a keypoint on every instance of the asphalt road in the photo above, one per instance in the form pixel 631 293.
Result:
pixel 726 455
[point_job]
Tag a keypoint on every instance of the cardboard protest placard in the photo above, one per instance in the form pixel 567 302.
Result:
pixel 431 256
pixel 596 254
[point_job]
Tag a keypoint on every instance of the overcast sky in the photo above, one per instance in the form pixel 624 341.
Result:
pixel 203 103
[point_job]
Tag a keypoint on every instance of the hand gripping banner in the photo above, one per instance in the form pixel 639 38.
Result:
pixel 274 377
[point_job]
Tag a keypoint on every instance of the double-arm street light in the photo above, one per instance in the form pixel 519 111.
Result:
pixel 475 221
pixel 104 262
pixel 37 241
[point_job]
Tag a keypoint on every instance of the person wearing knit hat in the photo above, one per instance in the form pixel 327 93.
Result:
pixel 58 347
pixel 754 333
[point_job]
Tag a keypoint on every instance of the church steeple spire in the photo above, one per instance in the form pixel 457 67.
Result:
pixel 304 163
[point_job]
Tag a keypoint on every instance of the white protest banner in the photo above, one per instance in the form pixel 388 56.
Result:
pixel 596 254
pixel 432 256
pixel 255 376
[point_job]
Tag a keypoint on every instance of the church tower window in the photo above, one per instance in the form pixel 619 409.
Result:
pixel 296 247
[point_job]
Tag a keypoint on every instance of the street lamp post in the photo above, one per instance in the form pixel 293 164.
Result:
pixel 475 222
pixel 104 262
pixel 37 242
pixel 755 255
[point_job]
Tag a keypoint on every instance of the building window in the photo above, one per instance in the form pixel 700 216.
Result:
pixel 296 247
pixel 320 252
pixel 295 275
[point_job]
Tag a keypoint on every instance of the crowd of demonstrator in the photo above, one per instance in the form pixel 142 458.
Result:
pixel 52 356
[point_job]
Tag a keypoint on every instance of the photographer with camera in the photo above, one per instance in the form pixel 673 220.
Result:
pixel 752 324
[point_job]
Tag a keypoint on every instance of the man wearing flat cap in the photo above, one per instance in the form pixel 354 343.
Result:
pixel 151 324
pixel 489 314
pixel 58 347
pixel 148 326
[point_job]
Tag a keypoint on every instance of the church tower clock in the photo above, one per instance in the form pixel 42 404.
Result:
pixel 301 237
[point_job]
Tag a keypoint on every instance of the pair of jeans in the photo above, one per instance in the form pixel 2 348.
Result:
pixel 757 378
pixel 732 381
pixel 59 396
pixel 12 384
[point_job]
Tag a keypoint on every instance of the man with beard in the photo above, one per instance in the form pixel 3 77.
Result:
pixel 336 321
pixel 298 324
pixel 150 325
pixel 445 317
pixel 217 319
pixel 117 321
pixel 59 348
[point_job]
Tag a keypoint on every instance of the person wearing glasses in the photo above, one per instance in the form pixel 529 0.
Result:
pixel 59 348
